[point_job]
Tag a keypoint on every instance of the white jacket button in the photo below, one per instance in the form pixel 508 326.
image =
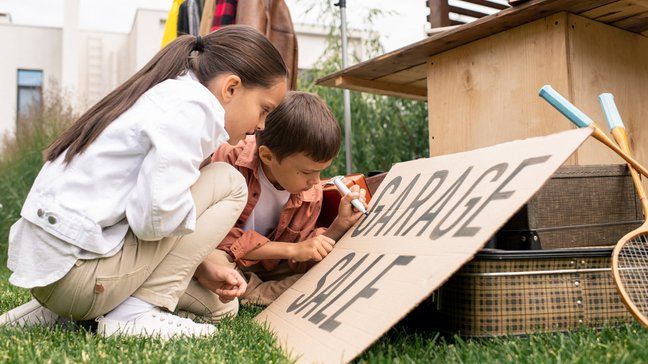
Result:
pixel 51 220
pixel 40 212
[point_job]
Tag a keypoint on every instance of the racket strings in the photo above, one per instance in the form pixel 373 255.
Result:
pixel 633 271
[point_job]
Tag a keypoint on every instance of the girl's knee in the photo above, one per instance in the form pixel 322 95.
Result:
pixel 222 170
pixel 226 176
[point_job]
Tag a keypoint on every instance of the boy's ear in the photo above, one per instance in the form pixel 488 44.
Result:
pixel 265 154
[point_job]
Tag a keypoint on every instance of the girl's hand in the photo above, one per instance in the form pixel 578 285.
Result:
pixel 232 286
pixel 226 282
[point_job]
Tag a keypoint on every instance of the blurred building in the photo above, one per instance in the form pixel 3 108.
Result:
pixel 88 64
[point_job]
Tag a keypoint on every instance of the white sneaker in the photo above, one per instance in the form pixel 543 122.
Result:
pixel 29 314
pixel 186 314
pixel 154 323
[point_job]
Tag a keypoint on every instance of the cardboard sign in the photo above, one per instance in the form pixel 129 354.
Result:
pixel 428 218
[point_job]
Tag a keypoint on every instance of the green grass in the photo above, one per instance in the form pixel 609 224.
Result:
pixel 240 340
pixel 619 345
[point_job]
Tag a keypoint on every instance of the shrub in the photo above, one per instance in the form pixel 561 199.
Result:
pixel 21 157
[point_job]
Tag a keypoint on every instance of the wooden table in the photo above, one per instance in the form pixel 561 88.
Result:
pixel 481 79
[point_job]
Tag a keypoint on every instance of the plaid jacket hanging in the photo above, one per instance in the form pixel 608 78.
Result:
pixel 224 13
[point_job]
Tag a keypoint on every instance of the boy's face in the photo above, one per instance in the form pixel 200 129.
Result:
pixel 295 173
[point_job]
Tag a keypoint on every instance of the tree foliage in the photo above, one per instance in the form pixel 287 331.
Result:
pixel 385 129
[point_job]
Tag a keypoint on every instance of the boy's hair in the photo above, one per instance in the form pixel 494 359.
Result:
pixel 236 49
pixel 302 123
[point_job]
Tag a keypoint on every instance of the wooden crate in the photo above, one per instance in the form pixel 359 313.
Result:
pixel 486 92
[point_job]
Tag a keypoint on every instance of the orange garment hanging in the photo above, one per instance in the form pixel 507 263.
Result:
pixel 207 17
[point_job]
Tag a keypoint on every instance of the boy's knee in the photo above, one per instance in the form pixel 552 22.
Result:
pixel 229 309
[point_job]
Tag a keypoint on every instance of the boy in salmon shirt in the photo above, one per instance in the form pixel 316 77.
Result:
pixel 276 239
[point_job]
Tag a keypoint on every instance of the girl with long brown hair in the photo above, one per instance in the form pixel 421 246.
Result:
pixel 120 217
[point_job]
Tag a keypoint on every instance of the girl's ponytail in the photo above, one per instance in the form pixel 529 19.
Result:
pixel 236 49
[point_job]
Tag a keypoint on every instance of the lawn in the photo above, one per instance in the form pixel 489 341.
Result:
pixel 242 341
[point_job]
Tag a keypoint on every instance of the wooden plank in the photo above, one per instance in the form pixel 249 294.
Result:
pixel 406 76
pixel 419 52
pixel 438 13
pixel 623 72
pixel 489 4
pixel 615 12
pixel 628 12
pixel 486 92
pixel 432 31
pixel 422 83
pixel 636 24
pixel 382 88
pixel 606 10
pixel 467 12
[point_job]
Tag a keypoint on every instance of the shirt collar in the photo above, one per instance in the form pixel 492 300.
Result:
pixel 249 158
pixel 221 134
pixel 189 74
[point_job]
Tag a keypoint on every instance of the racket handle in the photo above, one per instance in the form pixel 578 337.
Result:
pixel 610 110
pixel 581 120
pixel 565 107
pixel 620 135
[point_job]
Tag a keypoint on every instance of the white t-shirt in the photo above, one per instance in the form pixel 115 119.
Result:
pixel 265 215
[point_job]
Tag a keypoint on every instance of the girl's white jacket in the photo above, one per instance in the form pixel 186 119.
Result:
pixel 136 174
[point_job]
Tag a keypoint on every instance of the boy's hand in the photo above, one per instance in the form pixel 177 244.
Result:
pixel 347 214
pixel 226 282
pixel 315 248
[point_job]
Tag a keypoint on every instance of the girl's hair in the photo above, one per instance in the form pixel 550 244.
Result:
pixel 237 49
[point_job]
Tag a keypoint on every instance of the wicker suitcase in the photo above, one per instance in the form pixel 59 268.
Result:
pixel 579 206
pixel 522 292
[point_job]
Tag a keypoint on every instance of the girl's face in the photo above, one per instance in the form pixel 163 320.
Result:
pixel 246 108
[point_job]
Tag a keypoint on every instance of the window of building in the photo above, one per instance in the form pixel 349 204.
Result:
pixel 30 92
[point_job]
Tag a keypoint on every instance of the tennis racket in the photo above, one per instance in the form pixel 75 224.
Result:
pixel 630 255
pixel 583 121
